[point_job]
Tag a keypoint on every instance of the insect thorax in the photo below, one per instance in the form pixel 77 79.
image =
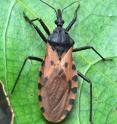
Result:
pixel 60 41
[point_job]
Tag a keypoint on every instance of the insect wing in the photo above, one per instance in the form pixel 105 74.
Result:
pixel 57 86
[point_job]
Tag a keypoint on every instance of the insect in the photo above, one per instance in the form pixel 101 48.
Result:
pixel 6 111
pixel 58 75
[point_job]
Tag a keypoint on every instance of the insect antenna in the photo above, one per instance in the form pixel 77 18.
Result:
pixel 69 5
pixel 49 5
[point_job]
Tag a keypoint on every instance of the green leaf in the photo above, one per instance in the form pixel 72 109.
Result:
pixel 96 26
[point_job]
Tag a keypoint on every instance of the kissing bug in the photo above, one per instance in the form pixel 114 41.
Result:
pixel 6 111
pixel 58 75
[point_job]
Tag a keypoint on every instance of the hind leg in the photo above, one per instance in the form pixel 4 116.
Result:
pixel 90 83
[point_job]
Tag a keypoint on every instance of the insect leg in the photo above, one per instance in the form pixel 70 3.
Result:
pixel 89 47
pixel 89 81
pixel 43 25
pixel 36 28
pixel 28 58
pixel 73 20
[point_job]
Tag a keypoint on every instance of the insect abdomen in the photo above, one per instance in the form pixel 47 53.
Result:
pixel 57 87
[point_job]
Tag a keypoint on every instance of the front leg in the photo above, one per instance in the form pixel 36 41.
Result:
pixel 73 20
pixel 36 28
pixel 43 25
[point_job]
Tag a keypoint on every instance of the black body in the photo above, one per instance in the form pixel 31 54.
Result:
pixel 60 40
